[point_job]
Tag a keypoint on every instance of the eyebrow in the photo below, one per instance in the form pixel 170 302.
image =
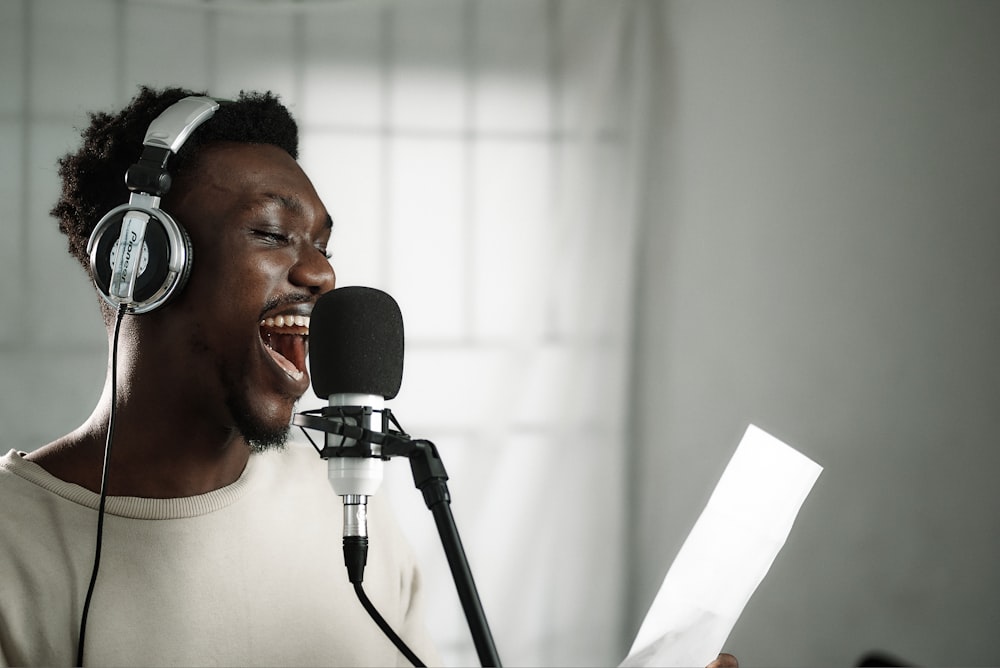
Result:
pixel 294 204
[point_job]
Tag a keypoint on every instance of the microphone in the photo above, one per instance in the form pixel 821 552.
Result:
pixel 356 363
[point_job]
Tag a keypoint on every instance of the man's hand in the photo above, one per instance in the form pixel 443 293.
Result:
pixel 724 661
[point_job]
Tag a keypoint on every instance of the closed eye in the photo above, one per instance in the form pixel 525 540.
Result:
pixel 274 238
pixel 270 236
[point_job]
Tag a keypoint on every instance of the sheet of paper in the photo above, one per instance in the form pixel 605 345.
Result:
pixel 726 555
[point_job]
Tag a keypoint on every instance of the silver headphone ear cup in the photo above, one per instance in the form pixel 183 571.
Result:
pixel 165 265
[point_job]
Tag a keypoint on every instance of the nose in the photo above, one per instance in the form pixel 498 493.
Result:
pixel 313 272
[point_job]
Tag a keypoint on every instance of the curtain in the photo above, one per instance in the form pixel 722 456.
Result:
pixel 528 403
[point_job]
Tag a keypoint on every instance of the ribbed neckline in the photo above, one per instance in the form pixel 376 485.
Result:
pixel 132 507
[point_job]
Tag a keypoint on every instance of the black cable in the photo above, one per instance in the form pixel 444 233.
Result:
pixel 104 487
pixel 386 629
pixel 355 558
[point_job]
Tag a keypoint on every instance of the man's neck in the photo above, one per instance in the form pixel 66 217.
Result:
pixel 152 455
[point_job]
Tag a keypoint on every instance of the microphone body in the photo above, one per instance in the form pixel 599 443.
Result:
pixel 354 479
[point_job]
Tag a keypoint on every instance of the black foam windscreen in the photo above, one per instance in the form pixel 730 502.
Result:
pixel 356 343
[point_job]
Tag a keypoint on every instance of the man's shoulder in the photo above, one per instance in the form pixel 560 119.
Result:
pixel 10 460
pixel 19 476
pixel 35 517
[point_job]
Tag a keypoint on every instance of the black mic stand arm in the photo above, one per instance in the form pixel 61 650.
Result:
pixel 430 477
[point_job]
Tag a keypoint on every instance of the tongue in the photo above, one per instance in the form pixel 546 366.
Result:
pixel 284 363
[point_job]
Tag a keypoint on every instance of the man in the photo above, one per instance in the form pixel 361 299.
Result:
pixel 220 544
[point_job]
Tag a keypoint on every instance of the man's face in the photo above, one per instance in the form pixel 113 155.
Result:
pixel 235 338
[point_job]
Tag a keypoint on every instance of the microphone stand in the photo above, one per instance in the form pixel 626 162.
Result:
pixel 430 478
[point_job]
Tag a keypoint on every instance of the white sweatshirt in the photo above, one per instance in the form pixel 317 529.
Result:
pixel 250 575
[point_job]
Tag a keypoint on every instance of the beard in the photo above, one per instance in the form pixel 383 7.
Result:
pixel 264 427
pixel 260 435
pixel 261 432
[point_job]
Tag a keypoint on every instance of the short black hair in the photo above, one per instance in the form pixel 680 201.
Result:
pixel 93 178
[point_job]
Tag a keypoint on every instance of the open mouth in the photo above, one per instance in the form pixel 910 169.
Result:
pixel 285 338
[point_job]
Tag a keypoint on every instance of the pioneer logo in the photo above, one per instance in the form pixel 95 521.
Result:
pixel 127 259
pixel 129 255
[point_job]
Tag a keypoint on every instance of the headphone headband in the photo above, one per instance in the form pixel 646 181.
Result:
pixel 164 138
pixel 172 128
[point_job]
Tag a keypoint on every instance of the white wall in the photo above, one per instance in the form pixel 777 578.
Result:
pixel 823 259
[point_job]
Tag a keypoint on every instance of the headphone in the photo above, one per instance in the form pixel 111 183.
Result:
pixel 140 256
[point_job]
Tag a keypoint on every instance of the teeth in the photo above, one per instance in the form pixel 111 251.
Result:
pixel 286 321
